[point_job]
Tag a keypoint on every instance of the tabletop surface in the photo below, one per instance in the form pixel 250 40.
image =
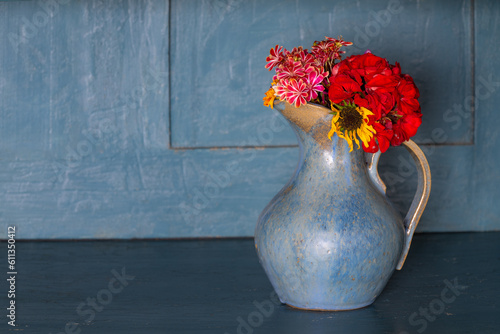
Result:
pixel 449 284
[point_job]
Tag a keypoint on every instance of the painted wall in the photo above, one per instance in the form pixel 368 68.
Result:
pixel 144 119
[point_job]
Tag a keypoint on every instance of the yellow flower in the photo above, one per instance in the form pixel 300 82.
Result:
pixel 350 122
pixel 269 98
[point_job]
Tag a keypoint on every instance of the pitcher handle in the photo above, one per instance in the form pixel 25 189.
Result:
pixel 421 196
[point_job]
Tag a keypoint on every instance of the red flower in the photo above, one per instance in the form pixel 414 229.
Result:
pixel 372 146
pixel 342 67
pixel 378 103
pixel 388 102
pixel 344 86
pixel 382 83
pixel 368 65
pixel 383 136
pixel 405 128
pixel 410 123
pixel 371 82
pixel 396 69
pixel 409 94
pixel 399 135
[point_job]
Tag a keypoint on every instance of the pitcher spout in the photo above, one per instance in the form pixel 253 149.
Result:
pixel 310 120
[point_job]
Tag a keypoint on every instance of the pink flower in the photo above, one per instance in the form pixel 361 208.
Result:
pixel 338 41
pixel 297 92
pixel 290 71
pixel 314 85
pixel 301 75
pixel 325 50
pixel 275 57
pixel 293 91
pixel 306 58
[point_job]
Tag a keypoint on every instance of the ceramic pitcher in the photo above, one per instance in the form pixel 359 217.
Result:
pixel 330 239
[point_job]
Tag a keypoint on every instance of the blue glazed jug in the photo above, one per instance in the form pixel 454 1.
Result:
pixel 330 239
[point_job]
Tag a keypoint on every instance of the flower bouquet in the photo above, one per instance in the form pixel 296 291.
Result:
pixel 370 99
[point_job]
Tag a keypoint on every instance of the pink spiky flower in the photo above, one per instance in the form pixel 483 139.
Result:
pixel 300 74
pixel 324 50
pixel 275 57
pixel 293 91
pixel 339 41
pixel 293 70
pixel 313 83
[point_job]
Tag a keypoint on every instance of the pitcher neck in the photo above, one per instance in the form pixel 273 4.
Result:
pixel 333 163
pixel 311 124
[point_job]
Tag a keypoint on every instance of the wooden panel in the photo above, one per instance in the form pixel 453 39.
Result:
pixel 151 195
pixel 202 193
pixel 486 174
pixel 219 50
pixel 451 201
pixel 218 76
pixel 84 106
pixel 94 72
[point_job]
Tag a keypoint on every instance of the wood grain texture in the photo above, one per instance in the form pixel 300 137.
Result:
pixel 192 193
pixel 94 72
pixel 85 96
pixel 486 176
pixel 206 286
pixel 154 194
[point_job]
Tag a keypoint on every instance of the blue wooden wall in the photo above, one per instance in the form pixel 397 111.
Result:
pixel 144 119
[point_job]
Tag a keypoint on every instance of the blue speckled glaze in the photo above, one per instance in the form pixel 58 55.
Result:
pixel 330 239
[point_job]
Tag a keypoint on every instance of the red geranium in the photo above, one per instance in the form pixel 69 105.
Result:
pixel 371 82
pixel 409 94
pixel 344 87
pixel 368 65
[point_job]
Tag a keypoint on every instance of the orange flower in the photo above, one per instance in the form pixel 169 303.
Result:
pixel 269 98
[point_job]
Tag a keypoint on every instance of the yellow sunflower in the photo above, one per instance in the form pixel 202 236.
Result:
pixel 350 122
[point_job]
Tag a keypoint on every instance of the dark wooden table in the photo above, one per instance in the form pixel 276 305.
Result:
pixel 450 284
